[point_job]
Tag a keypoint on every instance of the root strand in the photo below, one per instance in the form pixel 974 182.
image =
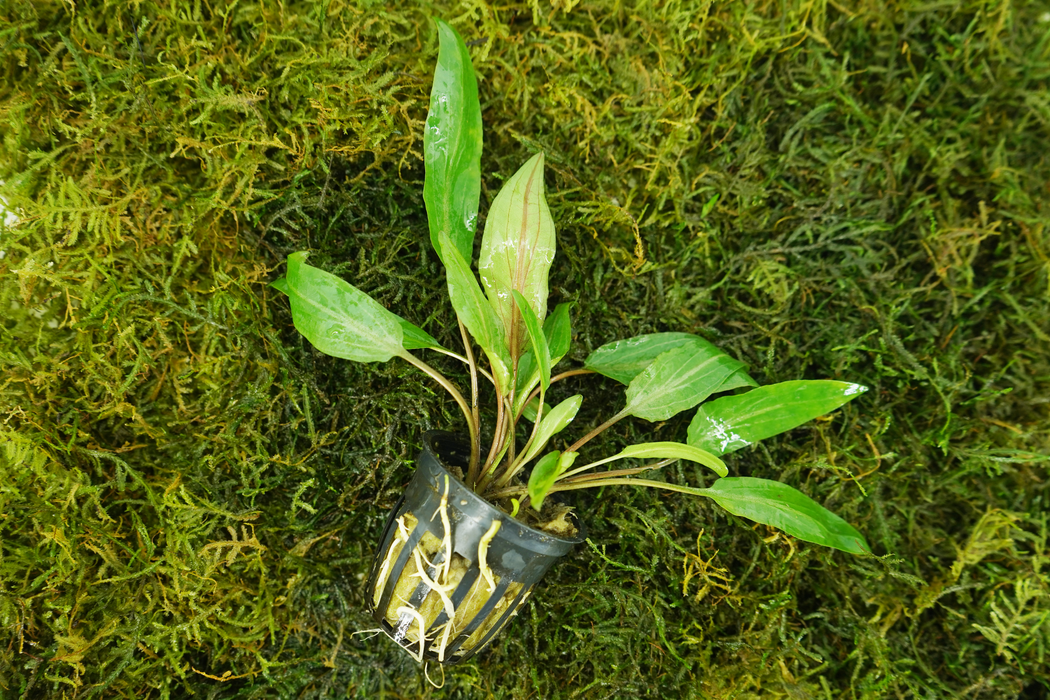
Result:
pixel 483 550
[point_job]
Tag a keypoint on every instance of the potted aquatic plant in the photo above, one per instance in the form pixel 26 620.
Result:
pixel 471 536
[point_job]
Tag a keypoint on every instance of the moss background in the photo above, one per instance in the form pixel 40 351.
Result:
pixel 190 494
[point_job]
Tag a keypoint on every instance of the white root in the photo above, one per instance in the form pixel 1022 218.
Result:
pixel 431 583
pixel 442 593
pixel 483 550
pixel 441 578
pixel 446 541
pixel 441 590
pixel 374 631
pixel 400 537
pixel 445 634
pixel 405 610
pixel 426 672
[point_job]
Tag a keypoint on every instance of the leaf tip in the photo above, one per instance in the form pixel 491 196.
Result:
pixel 862 545
pixel 537 162
pixel 280 284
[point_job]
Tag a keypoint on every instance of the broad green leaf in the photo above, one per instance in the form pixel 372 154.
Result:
pixel 779 505
pixel 542 478
pixel 339 319
pixel 452 146
pixel 553 423
pixel 280 284
pixel 558 332
pixel 674 450
pixel 415 338
pixel 474 310
pixel 736 380
pixel 517 249
pixel 729 423
pixel 531 410
pixel 537 339
pixel 678 380
pixel 623 360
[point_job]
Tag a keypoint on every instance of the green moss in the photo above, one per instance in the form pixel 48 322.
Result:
pixel 188 490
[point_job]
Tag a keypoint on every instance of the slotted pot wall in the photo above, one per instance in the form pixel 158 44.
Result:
pixel 414 589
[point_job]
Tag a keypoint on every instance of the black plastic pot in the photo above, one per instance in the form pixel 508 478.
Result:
pixel 414 590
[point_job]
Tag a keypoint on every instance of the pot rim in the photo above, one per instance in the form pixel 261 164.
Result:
pixel 525 531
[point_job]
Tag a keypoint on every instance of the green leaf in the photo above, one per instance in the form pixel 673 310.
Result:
pixel 623 360
pixel 566 460
pixel 729 423
pixel 779 505
pixel 708 206
pixel 553 423
pixel 339 319
pixel 452 155
pixel 736 380
pixel 517 249
pixel 557 330
pixel 540 351
pixel 280 284
pixel 415 338
pixel 542 478
pixel 473 309
pixel 452 146
pixel 546 473
pixel 678 380
pixel 674 450
pixel 531 410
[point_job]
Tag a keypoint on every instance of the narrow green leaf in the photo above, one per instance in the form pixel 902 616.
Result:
pixel 528 378
pixel 768 502
pixel 708 206
pixel 729 423
pixel 280 284
pixel 678 380
pixel 623 360
pixel 557 330
pixel 517 249
pixel 531 410
pixel 674 450
pixel 452 155
pixel 452 146
pixel 537 339
pixel 473 309
pixel 415 338
pixel 542 478
pixel 779 505
pixel 339 319
pixel 553 423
